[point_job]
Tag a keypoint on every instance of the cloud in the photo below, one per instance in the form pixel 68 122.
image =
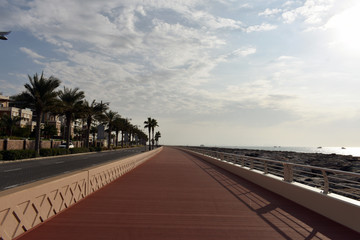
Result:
pixel 313 12
pixel 260 28
pixel 270 12
pixel 31 53
pixel 244 51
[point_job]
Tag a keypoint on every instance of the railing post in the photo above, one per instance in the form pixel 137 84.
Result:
pixel 288 172
pixel 234 159
pixel 266 171
pixel 326 182
pixel 251 163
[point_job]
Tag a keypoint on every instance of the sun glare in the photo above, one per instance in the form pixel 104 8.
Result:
pixel 346 30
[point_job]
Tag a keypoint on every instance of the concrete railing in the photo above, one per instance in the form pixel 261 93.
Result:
pixel 24 207
pixel 279 177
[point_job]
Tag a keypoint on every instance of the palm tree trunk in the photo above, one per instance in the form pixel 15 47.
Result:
pixel 109 137
pixel 149 139
pixel 117 137
pixel 37 132
pixel 122 138
pixel 68 124
pixel 88 132
pixel 130 138
pixel 153 140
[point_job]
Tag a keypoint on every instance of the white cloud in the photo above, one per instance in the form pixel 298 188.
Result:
pixel 213 22
pixel 260 28
pixel 269 12
pixel 244 51
pixel 31 53
pixel 313 12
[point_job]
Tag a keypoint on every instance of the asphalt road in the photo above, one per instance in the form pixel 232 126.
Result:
pixel 22 172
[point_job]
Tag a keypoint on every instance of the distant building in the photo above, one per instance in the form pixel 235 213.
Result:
pixel 26 114
pixel 54 120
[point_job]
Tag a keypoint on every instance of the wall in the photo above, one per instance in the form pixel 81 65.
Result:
pixel 24 207
pixel 15 144
pixel 30 144
pixel 340 209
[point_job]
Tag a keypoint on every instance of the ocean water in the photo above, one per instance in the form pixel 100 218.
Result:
pixel 354 151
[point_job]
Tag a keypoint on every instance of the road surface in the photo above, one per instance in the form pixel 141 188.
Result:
pixel 22 172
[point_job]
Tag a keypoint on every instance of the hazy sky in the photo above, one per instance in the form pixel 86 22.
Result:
pixel 226 72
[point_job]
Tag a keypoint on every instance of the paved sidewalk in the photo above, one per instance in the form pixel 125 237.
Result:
pixel 175 195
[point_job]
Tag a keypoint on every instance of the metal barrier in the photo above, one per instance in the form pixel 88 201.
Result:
pixel 24 207
pixel 328 180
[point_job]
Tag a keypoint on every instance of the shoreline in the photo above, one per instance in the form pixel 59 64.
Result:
pixel 332 161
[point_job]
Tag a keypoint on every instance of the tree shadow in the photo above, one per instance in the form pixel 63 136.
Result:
pixel 289 219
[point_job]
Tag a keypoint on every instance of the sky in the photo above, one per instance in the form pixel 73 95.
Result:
pixel 218 73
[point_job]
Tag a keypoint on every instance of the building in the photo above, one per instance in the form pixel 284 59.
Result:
pixel 53 120
pixel 25 114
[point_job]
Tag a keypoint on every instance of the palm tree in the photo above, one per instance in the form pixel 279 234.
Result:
pixel 154 124
pixel 40 95
pixel 148 125
pixel 157 136
pixel 71 104
pixel 110 117
pixel 93 131
pixel 9 123
pixel 118 126
pixel 92 112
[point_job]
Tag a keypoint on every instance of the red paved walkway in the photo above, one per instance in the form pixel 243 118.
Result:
pixel 177 196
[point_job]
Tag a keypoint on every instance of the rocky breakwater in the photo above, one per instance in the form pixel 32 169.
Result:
pixel 331 161
pixel 313 177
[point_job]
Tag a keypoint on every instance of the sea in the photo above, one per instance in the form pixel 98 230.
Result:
pixel 353 151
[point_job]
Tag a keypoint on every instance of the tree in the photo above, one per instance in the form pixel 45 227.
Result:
pixel 110 117
pixel 9 123
pixel 71 104
pixel 157 136
pixel 49 130
pixel 93 131
pixel 154 124
pixel 148 126
pixel 118 126
pixel 92 112
pixel 40 95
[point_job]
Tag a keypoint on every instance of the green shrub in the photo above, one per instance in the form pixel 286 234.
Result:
pixel 79 150
pixel 44 152
pixel 60 151
pixel 1 156
pixel 95 149
pixel 18 154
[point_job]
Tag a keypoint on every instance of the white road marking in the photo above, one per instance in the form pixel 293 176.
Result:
pixel 11 186
pixel 59 162
pixel 12 170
